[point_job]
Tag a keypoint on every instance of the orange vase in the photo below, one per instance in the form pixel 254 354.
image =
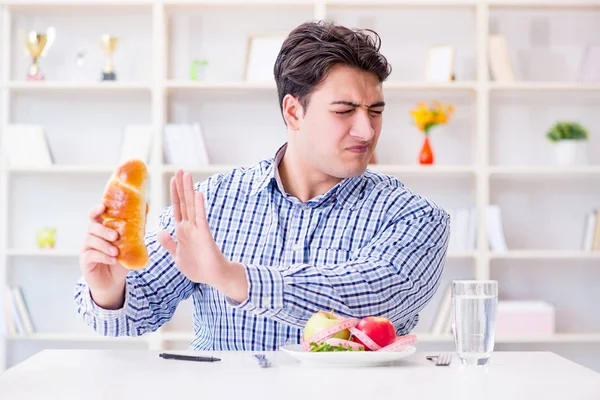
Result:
pixel 426 154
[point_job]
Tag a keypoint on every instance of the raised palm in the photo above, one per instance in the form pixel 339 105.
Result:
pixel 194 252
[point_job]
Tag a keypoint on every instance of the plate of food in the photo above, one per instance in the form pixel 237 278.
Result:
pixel 329 340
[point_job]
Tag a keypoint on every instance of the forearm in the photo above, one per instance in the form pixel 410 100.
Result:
pixel 145 306
pixel 233 282
pixel 292 298
pixel 149 296
pixel 394 277
pixel 111 299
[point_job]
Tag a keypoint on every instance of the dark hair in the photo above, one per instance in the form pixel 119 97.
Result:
pixel 313 48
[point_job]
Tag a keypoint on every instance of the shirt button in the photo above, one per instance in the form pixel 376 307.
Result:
pixel 304 206
pixel 266 302
pixel 295 247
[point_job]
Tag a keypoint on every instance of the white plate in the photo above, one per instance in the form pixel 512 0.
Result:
pixel 346 358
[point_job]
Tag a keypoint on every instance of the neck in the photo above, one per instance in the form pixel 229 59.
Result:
pixel 300 179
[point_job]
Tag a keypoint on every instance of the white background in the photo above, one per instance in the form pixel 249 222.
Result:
pixel 495 126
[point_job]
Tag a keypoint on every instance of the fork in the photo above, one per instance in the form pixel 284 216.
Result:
pixel 443 359
pixel 263 362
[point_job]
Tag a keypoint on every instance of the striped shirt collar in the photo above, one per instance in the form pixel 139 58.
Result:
pixel 347 192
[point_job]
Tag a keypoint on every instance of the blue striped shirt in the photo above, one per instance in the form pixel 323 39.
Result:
pixel 368 247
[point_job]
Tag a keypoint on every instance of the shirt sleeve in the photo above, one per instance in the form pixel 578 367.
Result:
pixel 151 294
pixel 394 275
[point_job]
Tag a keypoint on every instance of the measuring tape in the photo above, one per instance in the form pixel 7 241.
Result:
pixel 350 323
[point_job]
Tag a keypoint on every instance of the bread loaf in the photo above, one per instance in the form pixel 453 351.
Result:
pixel 126 212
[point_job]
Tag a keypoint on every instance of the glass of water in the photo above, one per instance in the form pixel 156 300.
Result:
pixel 474 305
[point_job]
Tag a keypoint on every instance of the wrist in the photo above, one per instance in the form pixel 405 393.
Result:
pixel 233 282
pixel 111 299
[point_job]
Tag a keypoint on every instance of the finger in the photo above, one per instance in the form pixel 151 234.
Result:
pixel 91 257
pixel 188 186
pixel 200 211
pixel 97 229
pixel 181 195
pixel 167 242
pixel 175 201
pixel 96 212
pixel 95 243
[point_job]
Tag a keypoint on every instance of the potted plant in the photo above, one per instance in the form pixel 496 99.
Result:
pixel 569 141
pixel 198 69
pixel 426 117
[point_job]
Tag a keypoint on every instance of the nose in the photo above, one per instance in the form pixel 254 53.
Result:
pixel 362 128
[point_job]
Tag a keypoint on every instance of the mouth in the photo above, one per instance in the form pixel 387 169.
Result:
pixel 358 149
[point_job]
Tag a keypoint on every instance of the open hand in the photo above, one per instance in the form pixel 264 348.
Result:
pixel 195 252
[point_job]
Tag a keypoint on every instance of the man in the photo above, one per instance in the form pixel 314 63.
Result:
pixel 262 249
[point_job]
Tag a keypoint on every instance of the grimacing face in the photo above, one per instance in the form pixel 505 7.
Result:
pixel 337 134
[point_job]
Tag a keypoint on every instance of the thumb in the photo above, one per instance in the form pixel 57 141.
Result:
pixel 167 242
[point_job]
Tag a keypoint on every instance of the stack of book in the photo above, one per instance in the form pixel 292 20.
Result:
pixel 591 233
pixel 17 317
pixel 184 145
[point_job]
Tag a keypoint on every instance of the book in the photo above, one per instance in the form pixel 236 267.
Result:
pixel 589 230
pixel 495 230
pixel 26 145
pixel 14 313
pixel 23 310
pixel 185 145
pixel 596 245
pixel 499 58
pixel 136 143
pixel 589 70
pixel 463 229
pixel 444 312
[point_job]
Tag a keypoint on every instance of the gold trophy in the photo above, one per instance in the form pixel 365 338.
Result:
pixel 37 45
pixel 108 43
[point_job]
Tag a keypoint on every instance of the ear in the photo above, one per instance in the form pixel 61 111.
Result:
pixel 292 112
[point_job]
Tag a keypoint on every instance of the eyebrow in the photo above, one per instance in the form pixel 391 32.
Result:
pixel 351 104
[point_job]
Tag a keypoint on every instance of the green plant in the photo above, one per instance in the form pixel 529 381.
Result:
pixel 566 131
pixel 194 68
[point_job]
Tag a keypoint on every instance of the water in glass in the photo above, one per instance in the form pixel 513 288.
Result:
pixel 474 324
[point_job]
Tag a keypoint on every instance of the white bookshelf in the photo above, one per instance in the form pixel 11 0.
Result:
pixel 492 152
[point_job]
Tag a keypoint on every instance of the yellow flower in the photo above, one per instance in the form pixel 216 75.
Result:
pixel 426 116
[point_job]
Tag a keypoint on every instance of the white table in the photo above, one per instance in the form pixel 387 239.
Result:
pixel 111 374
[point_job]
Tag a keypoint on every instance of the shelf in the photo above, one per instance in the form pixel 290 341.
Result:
pixel 64 169
pixel 387 85
pixel 544 86
pixel 40 6
pixel 207 169
pixel 383 168
pixel 546 254
pixel 75 86
pixel 42 253
pixel 556 338
pixel 535 170
pixel 400 3
pixel 27 5
pixel 212 86
pixel 545 4
pixel 178 4
pixel 74 337
pixel 407 85
pixel 392 169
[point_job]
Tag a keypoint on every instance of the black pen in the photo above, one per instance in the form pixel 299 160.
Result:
pixel 168 356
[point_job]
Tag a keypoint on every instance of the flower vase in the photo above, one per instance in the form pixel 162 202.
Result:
pixel 426 154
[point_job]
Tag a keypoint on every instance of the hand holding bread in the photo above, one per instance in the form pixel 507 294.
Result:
pixel 114 243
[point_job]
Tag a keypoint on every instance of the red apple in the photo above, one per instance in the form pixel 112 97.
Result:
pixel 379 329
pixel 321 321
